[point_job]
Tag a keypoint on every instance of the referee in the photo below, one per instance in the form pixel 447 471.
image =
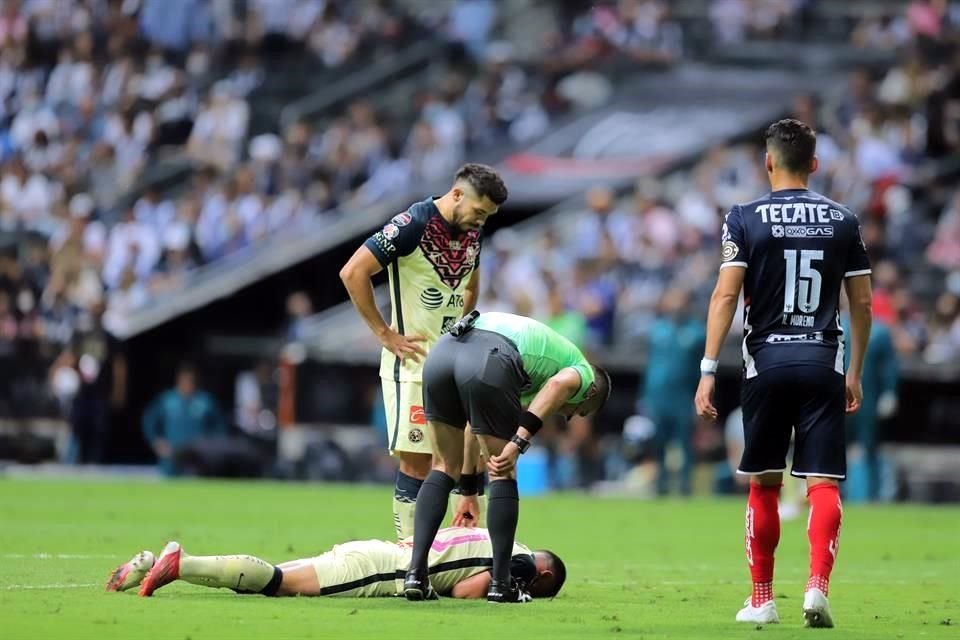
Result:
pixel 431 252
pixel 484 372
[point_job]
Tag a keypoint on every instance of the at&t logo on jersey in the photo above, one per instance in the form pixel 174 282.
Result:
pixel 431 298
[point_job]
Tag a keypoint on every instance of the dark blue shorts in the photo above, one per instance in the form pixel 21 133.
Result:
pixel 808 402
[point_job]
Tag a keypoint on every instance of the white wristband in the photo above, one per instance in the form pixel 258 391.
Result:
pixel 708 367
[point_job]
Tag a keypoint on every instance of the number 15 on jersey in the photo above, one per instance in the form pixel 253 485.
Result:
pixel 801 288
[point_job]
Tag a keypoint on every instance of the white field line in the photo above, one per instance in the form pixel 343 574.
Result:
pixel 58 556
pixel 26 587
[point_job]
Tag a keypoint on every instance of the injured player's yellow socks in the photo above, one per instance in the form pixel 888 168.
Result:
pixel 245 574
pixel 405 504
pixel 403 517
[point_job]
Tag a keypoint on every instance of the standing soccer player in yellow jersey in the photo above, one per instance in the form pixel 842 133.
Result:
pixel 431 251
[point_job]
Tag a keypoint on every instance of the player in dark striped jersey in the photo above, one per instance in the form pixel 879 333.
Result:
pixel 791 252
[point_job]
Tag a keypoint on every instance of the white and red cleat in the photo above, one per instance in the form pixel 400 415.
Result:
pixel 130 574
pixel 816 610
pixel 764 614
pixel 165 571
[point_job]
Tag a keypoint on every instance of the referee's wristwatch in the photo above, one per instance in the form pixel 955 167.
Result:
pixel 522 443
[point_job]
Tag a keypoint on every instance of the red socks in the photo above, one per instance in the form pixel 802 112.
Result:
pixel 762 537
pixel 823 530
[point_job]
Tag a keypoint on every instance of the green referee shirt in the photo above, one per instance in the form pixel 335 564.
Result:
pixel 544 352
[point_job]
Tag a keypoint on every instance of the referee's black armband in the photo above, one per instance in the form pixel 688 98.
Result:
pixel 471 484
pixel 530 422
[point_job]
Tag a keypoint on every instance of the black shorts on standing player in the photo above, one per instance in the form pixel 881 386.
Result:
pixel 807 400
pixel 476 377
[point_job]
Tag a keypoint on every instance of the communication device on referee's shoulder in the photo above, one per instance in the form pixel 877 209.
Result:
pixel 465 324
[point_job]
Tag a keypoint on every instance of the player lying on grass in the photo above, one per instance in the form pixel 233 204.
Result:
pixel 459 567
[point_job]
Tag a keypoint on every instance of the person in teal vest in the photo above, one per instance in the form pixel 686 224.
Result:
pixel 674 347
pixel 178 418
pixel 880 374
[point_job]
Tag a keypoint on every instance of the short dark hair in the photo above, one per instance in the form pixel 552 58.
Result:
pixel 552 588
pixel 601 393
pixel 485 180
pixel 794 143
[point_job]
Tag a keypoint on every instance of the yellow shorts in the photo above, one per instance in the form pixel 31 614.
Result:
pixel 406 424
pixel 362 569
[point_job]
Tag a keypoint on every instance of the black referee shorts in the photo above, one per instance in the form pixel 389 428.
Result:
pixel 477 377
pixel 807 401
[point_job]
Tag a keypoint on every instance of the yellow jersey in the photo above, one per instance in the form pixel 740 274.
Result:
pixel 376 568
pixel 458 553
pixel 429 263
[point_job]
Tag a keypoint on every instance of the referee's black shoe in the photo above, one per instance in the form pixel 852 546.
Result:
pixel 416 586
pixel 507 593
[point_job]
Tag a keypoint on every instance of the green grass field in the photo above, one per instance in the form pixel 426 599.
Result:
pixel 637 569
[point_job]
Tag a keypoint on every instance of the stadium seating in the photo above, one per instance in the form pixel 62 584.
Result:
pixel 192 168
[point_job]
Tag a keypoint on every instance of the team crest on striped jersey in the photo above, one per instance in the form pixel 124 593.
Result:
pixel 452 259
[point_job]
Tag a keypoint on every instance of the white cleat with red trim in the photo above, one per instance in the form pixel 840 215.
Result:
pixel 131 573
pixel 165 571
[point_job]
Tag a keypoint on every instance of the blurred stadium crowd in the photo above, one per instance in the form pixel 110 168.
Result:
pixel 604 268
pixel 94 92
